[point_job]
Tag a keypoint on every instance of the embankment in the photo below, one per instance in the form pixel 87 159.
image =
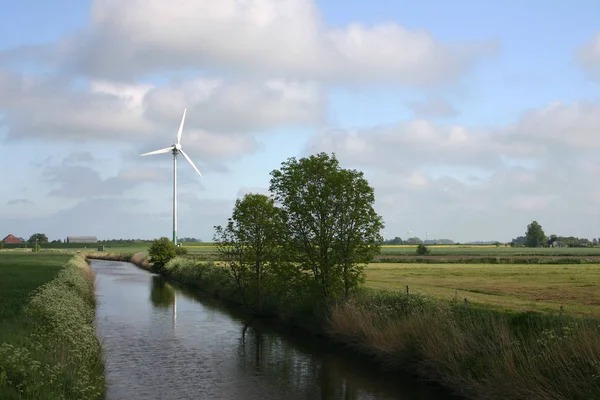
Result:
pixel 140 259
pixel 478 353
pixel 55 353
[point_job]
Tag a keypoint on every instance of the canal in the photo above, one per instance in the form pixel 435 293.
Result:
pixel 162 341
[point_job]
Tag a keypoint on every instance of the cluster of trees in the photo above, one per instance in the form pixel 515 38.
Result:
pixel 535 237
pixel 317 232
pixel 416 240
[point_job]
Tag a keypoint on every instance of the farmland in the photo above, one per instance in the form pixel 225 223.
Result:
pixel 517 287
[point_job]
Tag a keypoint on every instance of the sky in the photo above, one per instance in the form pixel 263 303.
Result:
pixel 469 119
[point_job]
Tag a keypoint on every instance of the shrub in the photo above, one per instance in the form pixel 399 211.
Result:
pixel 423 250
pixel 181 251
pixel 161 251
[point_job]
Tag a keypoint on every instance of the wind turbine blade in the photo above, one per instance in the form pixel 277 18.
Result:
pixel 190 161
pixel 181 126
pixel 165 150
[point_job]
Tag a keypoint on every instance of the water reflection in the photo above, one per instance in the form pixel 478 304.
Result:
pixel 162 294
pixel 208 355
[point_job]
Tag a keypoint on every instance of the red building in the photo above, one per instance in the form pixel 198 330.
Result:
pixel 12 239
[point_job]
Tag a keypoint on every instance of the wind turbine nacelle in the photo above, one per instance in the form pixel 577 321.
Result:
pixel 177 146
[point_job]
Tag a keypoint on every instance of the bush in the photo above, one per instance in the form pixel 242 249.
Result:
pixel 181 251
pixel 423 250
pixel 161 251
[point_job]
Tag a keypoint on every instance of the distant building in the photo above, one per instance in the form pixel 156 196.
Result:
pixel 12 239
pixel 82 239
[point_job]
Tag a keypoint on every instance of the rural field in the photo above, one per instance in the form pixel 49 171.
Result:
pixel 20 274
pixel 539 287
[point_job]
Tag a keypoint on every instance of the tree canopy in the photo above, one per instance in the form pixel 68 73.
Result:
pixel 41 238
pixel 535 236
pixel 332 229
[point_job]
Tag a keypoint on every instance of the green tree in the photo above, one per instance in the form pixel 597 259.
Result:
pixel 161 251
pixel 535 236
pixel 332 228
pixel 250 245
pixel 41 238
pixel 423 250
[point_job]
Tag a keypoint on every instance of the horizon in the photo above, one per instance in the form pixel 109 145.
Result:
pixel 469 120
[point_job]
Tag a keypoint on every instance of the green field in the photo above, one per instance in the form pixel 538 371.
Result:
pixel 517 287
pixel 459 250
pixel 20 274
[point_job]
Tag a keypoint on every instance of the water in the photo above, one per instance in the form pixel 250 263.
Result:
pixel 164 342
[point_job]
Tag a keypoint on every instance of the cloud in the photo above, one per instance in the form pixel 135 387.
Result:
pixel 589 57
pixel 82 182
pixel 452 180
pixel 265 38
pixel 79 157
pixel 15 202
pixel 221 117
pixel 432 108
pixel 402 146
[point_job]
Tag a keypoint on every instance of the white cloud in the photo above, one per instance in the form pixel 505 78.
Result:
pixel 282 38
pixel 221 118
pixel 422 172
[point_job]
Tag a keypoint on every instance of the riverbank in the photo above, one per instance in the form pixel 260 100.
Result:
pixel 48 345
pixel 476 352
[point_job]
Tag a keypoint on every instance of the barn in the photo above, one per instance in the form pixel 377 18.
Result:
pixel 82 239
pixel 12 239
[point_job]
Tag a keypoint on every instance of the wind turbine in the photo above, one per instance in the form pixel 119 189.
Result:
pixel 175 149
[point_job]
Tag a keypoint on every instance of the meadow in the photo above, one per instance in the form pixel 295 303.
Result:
pixel 48 347
pixel 518 287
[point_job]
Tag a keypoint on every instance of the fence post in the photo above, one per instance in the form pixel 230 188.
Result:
pixel 407 290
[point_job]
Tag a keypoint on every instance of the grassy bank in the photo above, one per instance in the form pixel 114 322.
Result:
pixel 139 258
pixel 48 346
pixel 477 352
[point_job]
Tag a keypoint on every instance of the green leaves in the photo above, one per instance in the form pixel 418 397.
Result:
pixel 332 228
pixel 161 251
pixel 535 236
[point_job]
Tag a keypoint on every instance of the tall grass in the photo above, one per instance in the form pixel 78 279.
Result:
pixel 479 353
pixel 56 354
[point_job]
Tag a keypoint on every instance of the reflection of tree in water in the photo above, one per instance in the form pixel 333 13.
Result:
pixel 315 376
pixel 161 293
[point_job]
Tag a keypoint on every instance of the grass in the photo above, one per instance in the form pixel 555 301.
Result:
pixel 491 250
pixel 48 346
pixel 479 353
pixel 512 286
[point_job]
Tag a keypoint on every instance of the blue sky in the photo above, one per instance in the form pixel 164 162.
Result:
pixel 470 119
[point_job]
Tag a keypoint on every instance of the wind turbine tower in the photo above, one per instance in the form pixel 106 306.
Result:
pixel 175 149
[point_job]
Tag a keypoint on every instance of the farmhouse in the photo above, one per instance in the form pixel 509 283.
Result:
pixel 82 239
pixel 12 239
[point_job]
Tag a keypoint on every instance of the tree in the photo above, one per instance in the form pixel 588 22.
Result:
pixel 423 250
pixel 535 236
pixel 250 245
pixel 41 238
pixel 161 251
pixel 332 228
